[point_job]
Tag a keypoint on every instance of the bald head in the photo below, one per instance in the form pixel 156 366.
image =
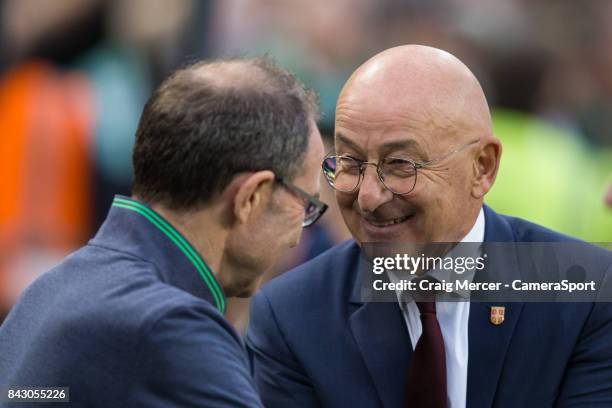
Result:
pixel 256 75
pixel 237 74
pixel 426 82
pixel 259 74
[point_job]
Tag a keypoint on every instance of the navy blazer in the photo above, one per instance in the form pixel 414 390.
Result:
pixel 314 343
pixel 133 319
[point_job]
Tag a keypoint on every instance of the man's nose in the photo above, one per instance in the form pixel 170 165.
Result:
pixel 372 192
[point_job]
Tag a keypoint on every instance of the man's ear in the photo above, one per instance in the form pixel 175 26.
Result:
pixel 252 192
pixel 486 165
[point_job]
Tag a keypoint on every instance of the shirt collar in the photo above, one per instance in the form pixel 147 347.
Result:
pixel 477 232
pixel 133 227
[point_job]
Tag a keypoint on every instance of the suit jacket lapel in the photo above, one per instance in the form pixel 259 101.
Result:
pixel 488 343
pixel 382 338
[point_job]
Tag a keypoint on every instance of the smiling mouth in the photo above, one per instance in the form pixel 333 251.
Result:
pixel 387 223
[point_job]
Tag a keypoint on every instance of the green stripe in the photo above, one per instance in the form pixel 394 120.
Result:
pixel 176 239
pixel 181 243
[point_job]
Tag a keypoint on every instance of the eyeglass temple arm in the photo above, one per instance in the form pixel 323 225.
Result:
pixel 298 191
pixel 437 159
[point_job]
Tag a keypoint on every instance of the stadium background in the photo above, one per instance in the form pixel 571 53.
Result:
pixel 74 75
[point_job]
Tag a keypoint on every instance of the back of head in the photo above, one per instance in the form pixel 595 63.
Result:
pixel 213 120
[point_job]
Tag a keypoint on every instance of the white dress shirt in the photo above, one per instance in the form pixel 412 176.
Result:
pixel 453 319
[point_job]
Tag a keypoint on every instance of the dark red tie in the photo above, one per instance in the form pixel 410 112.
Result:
pixel 426 387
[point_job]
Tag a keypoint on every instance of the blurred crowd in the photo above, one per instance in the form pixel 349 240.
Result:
pixel 74 75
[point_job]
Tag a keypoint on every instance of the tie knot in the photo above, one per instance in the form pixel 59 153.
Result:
pixel 427 307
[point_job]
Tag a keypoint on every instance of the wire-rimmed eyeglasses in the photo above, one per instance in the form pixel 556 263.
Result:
pixel 399 175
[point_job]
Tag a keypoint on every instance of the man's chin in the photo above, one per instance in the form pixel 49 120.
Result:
pixel 244 288
pixel 245 294
pixel 244 291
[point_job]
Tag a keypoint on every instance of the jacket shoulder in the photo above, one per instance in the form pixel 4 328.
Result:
pixel 504 228
pixel 526 231
pixel 333 271
pixel 107 292
pixel 330 265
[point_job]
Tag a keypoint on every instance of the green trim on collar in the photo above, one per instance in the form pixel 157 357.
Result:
pixel 180 242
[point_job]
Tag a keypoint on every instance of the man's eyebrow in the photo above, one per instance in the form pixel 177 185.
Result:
pixel 400 144
pixel 389 146
pixel 416 151
pixel 345 140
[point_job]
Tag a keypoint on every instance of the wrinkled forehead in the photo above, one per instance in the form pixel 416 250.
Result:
pixel 375 124
pixel 422 113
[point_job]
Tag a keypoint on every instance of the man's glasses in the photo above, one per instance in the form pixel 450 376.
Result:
pixel 313 207
pixel 345 173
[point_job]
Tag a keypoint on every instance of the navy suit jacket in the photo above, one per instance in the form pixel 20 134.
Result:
pixel 133 319
pixel 313 342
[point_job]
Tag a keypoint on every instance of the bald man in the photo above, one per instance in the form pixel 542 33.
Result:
pixel 414 157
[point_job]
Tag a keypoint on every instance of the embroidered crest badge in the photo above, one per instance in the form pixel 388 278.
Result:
pixel 497 315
